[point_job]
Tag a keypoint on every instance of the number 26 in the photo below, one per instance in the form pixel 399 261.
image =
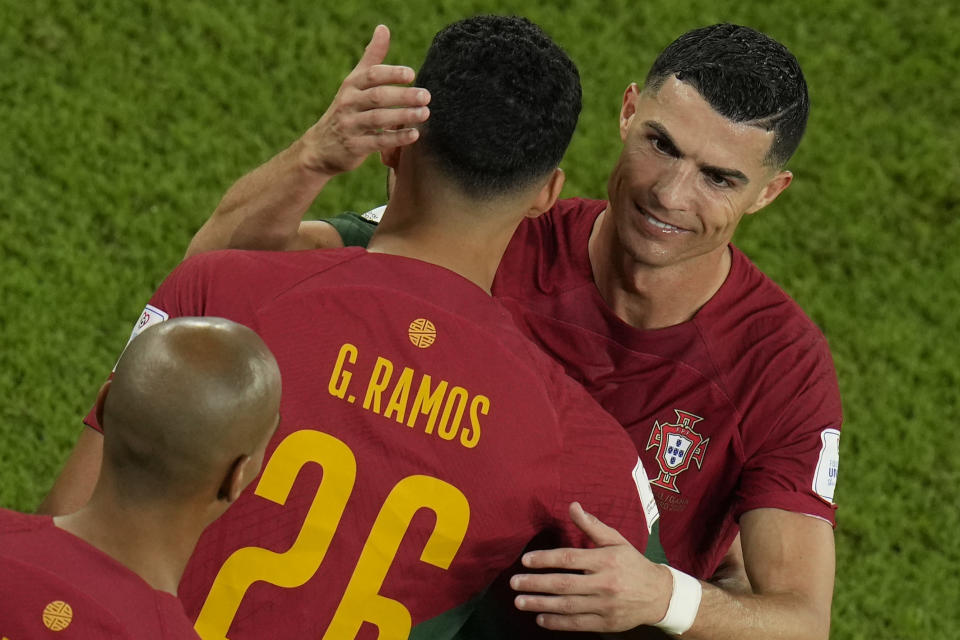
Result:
pixel 361 600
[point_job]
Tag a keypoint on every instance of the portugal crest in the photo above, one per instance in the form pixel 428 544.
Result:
pixel 679 445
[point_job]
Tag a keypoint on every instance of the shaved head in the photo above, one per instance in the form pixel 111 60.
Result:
pixel 189 398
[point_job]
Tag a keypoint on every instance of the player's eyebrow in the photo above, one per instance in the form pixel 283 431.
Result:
pixel 720 171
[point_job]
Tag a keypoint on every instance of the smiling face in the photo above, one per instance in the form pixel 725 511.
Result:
pixel 686 176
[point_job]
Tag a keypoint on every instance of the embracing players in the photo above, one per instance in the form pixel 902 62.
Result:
pixel 726 388
pixel 424 442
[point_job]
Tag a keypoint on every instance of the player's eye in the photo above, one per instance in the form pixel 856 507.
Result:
pixel 718 180
pixel 662 145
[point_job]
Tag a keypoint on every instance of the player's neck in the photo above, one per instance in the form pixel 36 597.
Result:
pixel 441 228
pixel 649 296
pixel 153 542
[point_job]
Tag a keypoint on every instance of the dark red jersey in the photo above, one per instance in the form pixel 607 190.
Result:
pixel 734 410
pixel 55 585
pixel 424 442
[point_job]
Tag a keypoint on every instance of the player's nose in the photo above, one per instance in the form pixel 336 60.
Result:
pixel 673 188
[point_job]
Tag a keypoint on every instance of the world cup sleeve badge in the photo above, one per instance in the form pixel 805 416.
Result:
pixel 677 446
pixel 151 315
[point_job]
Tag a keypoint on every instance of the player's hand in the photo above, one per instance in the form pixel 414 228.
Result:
pixel 369 113
pixel 618 590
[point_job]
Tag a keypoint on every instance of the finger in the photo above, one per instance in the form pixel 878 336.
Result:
pixel 554 583
pixel 375 119
pixel 573 559
pixel 377 49
pixel 380 74
pixel 383 140
pixel 599 533
pixel 575 622
pixel 567 605
pixel 387 97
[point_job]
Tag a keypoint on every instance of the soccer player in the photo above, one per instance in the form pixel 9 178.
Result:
pixel 727 389
pixel 186 419
pixel 424 442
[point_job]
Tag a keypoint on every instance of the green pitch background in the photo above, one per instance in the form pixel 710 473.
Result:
pixel 122 122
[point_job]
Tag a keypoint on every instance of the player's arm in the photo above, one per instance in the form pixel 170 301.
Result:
pixel 788 555
pixel 74 486
pixel 370 113
pixel 731 575
pixel 789 558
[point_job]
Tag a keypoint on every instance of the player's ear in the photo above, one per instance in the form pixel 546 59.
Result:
pixel 771 190
pixel 629 108
pixel 241 472
pixel 391 158
pixel 548 194
pixel 101 401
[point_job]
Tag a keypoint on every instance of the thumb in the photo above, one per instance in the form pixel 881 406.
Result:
pixel 598 532
pixel 377 49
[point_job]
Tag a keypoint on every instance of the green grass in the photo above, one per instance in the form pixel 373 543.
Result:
pixel 124 121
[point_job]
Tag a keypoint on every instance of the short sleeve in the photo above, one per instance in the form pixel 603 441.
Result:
pixel 355 229
pixel 796 466
pixel 180 294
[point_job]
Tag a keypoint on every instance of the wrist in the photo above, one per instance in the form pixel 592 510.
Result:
pixel 684 603
pixel 310 164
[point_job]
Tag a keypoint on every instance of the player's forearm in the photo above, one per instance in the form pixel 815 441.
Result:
pixel 264 208
pixel 733 615
pixel 75 484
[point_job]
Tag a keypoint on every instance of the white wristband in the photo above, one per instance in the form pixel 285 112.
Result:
pixel 684 603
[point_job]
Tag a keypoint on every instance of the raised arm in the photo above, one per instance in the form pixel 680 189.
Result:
pixel 263 209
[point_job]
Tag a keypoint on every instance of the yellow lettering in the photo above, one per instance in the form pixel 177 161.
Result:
pixel 471 436
pixel 398 399
pixel 457 398
pixel 362 601
pixel 340 379
pixel 426 401
pixel 379 380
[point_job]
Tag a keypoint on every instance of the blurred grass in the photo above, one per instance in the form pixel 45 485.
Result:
pixel 123 122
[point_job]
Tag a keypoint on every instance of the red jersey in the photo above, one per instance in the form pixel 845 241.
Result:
pixel 55 585
pixel 734 410
pixel 424 442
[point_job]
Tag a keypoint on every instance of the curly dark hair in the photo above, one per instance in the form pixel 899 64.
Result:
pixel 745 76
pixel 504 103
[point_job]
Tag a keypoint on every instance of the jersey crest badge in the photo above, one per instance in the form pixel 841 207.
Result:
pixel 679 445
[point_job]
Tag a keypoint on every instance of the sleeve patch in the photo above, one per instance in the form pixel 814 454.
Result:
pixel 150 316
pixel 374 215
pixel 825 477
pixel 646 495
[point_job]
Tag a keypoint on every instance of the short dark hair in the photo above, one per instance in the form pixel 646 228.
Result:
pixel 745 76
pixel 504 103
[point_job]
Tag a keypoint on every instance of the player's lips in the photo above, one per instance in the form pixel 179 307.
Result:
pixel 656 224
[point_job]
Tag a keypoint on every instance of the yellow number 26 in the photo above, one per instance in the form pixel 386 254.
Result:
pixel 361 601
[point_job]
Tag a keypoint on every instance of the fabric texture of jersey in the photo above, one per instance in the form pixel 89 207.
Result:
pixel 734 410
pixel 423 443
pixel 55 585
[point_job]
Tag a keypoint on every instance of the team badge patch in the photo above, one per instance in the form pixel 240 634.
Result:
pixel 828 464
pixel 679 445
